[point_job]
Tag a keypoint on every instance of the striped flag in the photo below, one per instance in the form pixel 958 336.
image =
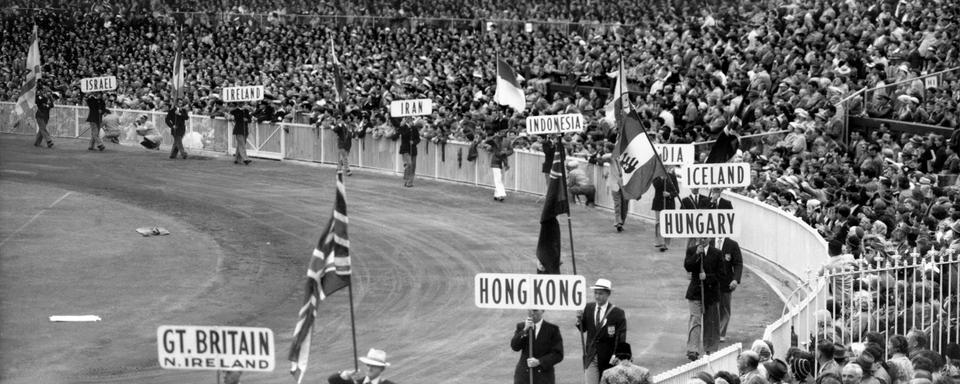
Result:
pixel 328 272
pixel 637 159
pixel 176 82
pixel 548 244
pixel 337 76
pixel 508 90
pixel 614 109
pixel 27 102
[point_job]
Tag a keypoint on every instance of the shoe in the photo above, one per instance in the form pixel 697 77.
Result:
pixel 723 339
pixel 49 144
pixel 349 173
pixel 184 157
pixel 36 145
pixel 663 249
pixel 101 147
pixel 619 228
pixel 173 157
pixel 91 149
pixel 247 162
pixel 693 356
pixel 236 161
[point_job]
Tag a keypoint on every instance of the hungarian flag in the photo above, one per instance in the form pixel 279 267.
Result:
pixel 614 109
pixel 27 101
pixel 176 82
pixel 638 161
pixel 337 76
pixel 508 90
pixel 548 245
pixel 328 272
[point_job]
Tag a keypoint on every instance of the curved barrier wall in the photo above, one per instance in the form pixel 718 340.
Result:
pixel 768 232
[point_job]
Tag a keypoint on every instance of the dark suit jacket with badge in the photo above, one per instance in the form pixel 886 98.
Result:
pixel 701 202
pixel 730 270
pixel 336 379
pixel 711 263
pixel 547 347
pixel 599 341
pixel 661 185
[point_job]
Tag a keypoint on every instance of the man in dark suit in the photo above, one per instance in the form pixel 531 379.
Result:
pixel 718 202
pixel 665 194
pixel 731 269
pixel 547 349
pixel 696 201
pixel 44 105
pixel 605 326
pixel 409 138
pixel 177 119
pixel 96 107
pixel 703 262
pixel 376 362
pixel 241 128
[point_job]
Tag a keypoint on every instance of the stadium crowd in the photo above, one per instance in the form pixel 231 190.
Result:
pixel 790 69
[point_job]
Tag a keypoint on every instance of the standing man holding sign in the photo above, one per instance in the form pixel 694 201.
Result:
pixel 241 121
pixel 605 326
pixel 547 349
pixel 703 262
pixel 96 107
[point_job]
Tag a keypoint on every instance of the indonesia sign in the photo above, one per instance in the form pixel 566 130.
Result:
pixel 699 223
pixel 675 154
pixel 98 84
pixel 415 107
pixel 245 93
pixel 523 291
pixel 721 175
pixel 215 348
pixel 542 125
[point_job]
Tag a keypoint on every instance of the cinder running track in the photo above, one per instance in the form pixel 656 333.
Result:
pixel 241 238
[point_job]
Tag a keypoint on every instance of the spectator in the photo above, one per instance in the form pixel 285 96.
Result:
pixel 579 184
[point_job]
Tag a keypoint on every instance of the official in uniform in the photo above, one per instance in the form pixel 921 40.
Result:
pixel 731 269
pixel 177 121
pixel 703 262
pixel 44 105
pixel 665 194
pixel 241 123
pixel 605 326
pixel 96 106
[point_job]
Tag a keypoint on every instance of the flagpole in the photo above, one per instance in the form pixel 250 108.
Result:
pixel 353 323
pixel 573 254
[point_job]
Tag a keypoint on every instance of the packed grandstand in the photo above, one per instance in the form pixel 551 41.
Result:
pixel 787 77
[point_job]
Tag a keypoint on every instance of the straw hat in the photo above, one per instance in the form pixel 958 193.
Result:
pixel 375 357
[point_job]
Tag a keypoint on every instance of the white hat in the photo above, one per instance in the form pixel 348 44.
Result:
pixel 375 357
pixel 602 284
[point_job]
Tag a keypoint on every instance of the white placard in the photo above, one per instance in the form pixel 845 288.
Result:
pixel 542 125
pixel 931 82
pixel 215 348
pixel 720 175
pixel 98 84
pixel 245 93
pixel 414 107
pixel 525 291
pixel 675 154
pixel 676 223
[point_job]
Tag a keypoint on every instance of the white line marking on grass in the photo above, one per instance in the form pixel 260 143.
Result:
pixel 22 227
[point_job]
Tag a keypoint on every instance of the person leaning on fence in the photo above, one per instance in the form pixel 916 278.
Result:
pixel 95 106
pixel 579 184
pixel 44 105
pixel 177 119
pixel 241 128
pixel 344 144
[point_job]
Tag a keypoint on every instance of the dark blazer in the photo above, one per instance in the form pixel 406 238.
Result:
pixel 723 204
pixel 547 346
pixel 732 269
pixel 96 106
pixel 44 105
pixel 661 185
pixel 702 202
pixel 599 341
pixel 711 266
pixel 177 122
pixel 409 138
pixel 549 152
pixel 344 136
pixel 335 379
pixel 241 121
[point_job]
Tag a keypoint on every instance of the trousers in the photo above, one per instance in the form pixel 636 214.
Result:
pixel 707 321
pixel 42 133
pixel 95 136
pixel 498 189
pixel 409 169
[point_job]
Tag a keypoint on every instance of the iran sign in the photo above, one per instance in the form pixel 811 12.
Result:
pixel 415 107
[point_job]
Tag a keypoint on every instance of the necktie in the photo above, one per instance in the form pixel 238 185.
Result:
pixel 597 321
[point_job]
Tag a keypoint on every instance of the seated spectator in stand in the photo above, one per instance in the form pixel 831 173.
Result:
pixel 579 184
